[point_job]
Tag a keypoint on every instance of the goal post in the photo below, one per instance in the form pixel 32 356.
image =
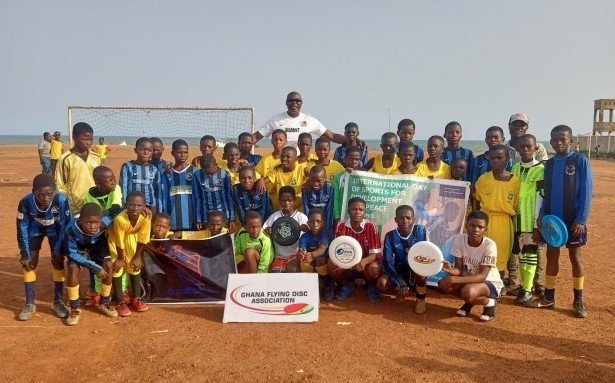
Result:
pixel 128 123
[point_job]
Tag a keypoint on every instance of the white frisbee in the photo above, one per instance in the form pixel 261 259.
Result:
pixel 425 259
pixel 345 252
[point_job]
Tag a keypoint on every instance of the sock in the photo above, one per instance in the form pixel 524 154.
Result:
pixel 118 292
pixel 491 303
pixel 527 267
pixel 578 295
pixel 135 282
pixel 29 276
pixel 73 296
pixel 58 285
pixel 105 294
pixel 550 281
pixel 421 292
pixel 577 283
pixel 29 292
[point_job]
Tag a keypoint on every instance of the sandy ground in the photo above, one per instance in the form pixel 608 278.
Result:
pixel 385 341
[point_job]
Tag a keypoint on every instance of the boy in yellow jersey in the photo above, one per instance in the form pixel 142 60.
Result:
pixel 233 162
pixel 216 224
pixel 74 170
pixel 304 144
pixel 102 149
pixel 497 194
pixel 433 166
pixel 406 153
pixel 289 174
pixel 57 147
pixel 387 162
pixel 269 161
pixel 130 231
pixel 332 167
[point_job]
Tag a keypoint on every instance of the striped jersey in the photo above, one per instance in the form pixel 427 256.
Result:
pixel 567 188
pixel 450 155
pixel 321 199
pixel 368 237
pixel 420 155
pixel 311 242
pixel 245 201
pixel 482 165
pixel 144 178
pixel 178 200
pixel 395 252
pixel 34 222
pixel 340 155
pixel 212 192
pixel 80 245
pixel 74 177
pixel 253 159
pixel 531 176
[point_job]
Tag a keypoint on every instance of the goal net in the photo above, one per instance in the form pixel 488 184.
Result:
pixel 125 124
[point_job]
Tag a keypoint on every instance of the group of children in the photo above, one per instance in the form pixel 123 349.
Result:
pixel 103 226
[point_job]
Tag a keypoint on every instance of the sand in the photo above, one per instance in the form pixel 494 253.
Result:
pixel 385 341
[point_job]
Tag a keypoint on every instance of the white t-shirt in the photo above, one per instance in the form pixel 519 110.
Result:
pixel 293 126
pixel 474 257
pixel 45 146
pixel 286 251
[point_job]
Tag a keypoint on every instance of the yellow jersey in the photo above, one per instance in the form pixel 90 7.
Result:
pixel 398 172
pixel 312 157
pixel 101 150
pixel 266 164
pixel 235 175
pixel 74 177
pixel 497 196
pixel 278 178
pixel 57 147
pixel 378 168
pixel 444 171
pixel 200 234
pixel 332 169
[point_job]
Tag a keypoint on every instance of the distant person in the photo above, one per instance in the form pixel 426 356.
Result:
pixel 597 149
pixel 57 147
pixel 44 148
pixel 293 122
pixel 102 149
pixel 518 125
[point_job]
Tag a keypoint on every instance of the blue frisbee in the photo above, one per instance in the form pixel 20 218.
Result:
pixel 554 231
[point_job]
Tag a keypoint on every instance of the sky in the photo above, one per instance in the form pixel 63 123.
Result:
pixel 476 62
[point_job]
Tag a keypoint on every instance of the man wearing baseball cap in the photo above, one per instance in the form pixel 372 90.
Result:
pixel 518 124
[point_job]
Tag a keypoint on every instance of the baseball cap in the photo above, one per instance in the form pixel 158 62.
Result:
pixel 519 117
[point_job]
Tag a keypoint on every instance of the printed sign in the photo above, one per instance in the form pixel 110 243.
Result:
pixel 291 297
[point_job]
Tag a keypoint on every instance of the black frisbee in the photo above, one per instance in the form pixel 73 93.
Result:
pixel 285 231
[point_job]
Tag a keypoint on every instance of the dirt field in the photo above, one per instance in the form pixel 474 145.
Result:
pixel 385 341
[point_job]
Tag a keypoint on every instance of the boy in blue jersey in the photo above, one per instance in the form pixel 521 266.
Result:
pixel 312 253
pixel 319 195
pixel 177 187
pixel 246 142
pixel 493 136
pixel 207 145
pixel 246 197
pixel 405 132
pixel 211 190
pixel 141 175
pixel 567 195
pixel 351 132
pixel 42 213
pixel 397 272
pixel 452 134
pixel 87 246
pixel 157 150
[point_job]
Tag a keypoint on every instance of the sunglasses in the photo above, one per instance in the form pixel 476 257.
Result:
pixel 295 100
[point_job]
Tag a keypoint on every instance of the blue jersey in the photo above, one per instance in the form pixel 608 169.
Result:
pixel 482 165
pixel 310 242
pixel 340 154
pixel 212 192
pixel 84 249
pixel 420 155
pixel 178 201
pixel 321 199
pixel 450 155
pixel 254 159
pixel 568 188
pixel 245 201
pixel 144 178
pixel 33 222
pixel 396 253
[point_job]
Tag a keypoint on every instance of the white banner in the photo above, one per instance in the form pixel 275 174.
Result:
pixel 285 297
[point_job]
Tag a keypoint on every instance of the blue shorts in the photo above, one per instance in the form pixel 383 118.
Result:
pixel 576 241
pixel 494 293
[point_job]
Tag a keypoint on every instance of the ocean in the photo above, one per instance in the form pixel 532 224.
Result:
pixel 477 146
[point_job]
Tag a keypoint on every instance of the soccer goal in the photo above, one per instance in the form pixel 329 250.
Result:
pixel 125 124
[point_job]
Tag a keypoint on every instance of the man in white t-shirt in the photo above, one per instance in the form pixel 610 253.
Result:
pixel 293 122
pixel 475 278
pixel 44 149
pixel 518 125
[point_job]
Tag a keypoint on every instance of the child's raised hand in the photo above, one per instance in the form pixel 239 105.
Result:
pixel 259 186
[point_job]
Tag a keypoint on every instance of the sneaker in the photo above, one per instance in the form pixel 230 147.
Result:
pixel 509 282
pixel 92 300
pixel 514 291
pixel 579 309
pixel 344 292
pixel 74 317
pixel 464 310
pixel 28 310
pixel 60 310
pixel 139 305
pixel 523 297
pixel 488 314
pixel 373 294
pixel 420 307
pixel 127 297
pixel 329 293
pixel 122 309
pixel 108 310
pixel 542 303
